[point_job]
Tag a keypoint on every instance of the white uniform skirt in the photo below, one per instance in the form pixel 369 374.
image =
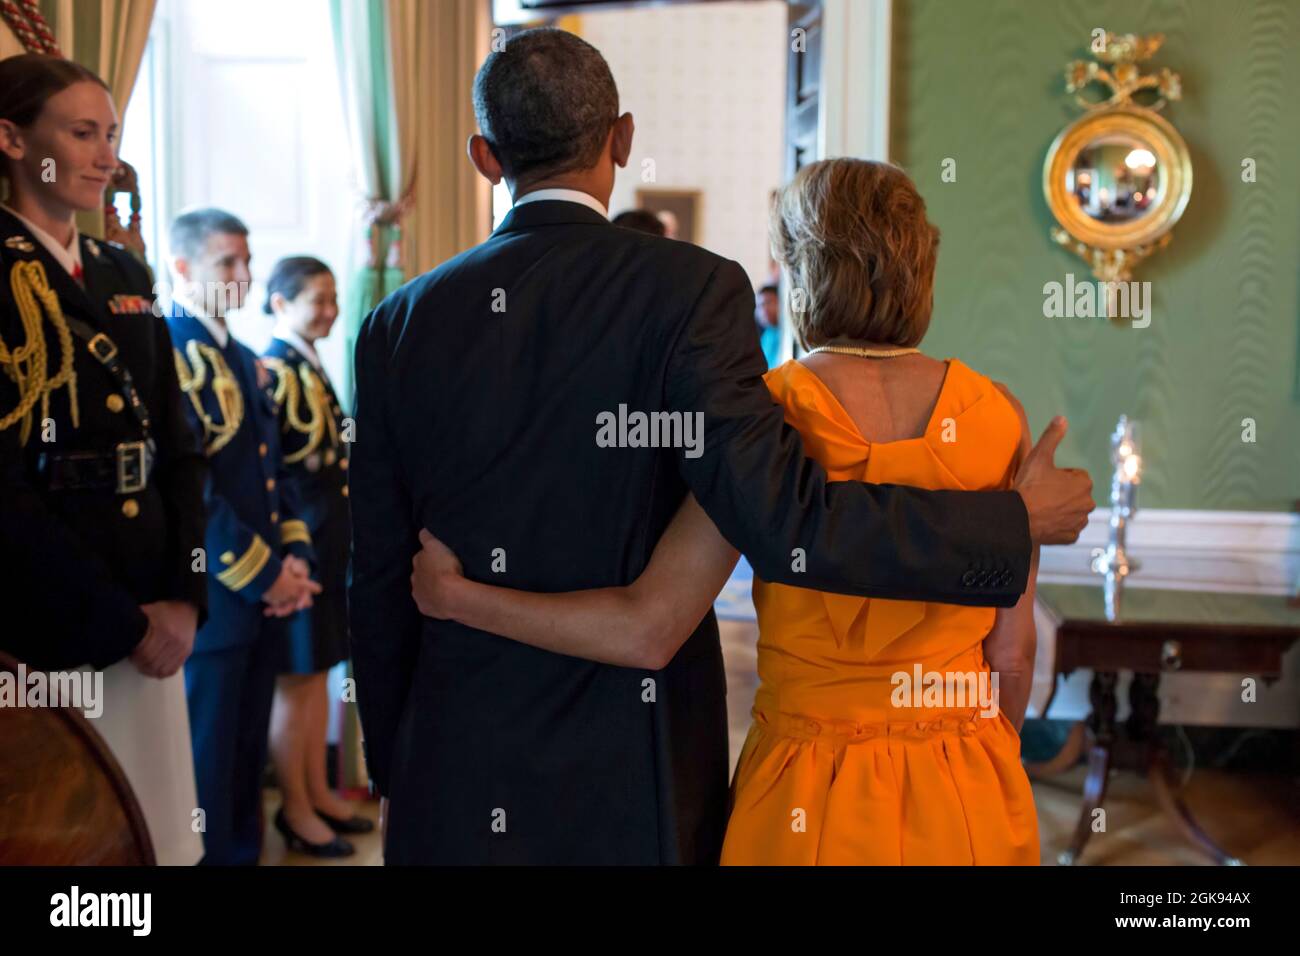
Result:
pixel 147 727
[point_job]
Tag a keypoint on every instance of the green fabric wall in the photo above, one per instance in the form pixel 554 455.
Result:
pixel 982 83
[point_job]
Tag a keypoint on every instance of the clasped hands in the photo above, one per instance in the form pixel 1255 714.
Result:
pixel 292 590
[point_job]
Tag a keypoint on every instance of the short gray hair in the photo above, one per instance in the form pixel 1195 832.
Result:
pixel 190 230
pixel 545 103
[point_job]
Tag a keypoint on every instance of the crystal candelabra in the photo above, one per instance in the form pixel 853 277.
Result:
pixel 1113 561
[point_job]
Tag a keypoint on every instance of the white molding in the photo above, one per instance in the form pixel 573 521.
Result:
pixel 853 118
pixel 1256 552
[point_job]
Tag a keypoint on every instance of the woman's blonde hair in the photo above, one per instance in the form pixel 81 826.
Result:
pixel 859 253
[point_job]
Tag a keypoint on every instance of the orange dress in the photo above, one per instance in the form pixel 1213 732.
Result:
pixel 873 739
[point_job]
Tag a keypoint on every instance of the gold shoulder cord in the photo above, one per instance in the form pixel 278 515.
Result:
pixel 193 376
pixel 291 395
pixel 26 364
pixel 315 386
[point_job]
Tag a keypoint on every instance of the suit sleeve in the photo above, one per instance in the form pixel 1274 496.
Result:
pixel 64 608
pixel 295 533
pixel 238 557
pixel 295 523
pixel 248 564
pixel 180 473
pixel 768 499
pixel 385 622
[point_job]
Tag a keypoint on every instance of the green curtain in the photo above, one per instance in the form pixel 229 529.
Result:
pixel 361 49
pixel 109 37
pixel 360 30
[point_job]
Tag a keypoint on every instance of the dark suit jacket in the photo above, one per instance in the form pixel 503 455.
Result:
pixel 75 565
pixel 479 387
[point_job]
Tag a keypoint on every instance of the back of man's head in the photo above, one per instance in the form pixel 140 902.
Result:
pixel 545 102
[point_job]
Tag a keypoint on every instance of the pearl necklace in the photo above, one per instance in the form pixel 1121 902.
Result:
pixel 864 353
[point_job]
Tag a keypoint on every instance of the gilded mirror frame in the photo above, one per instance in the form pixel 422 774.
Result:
pixel 1113 249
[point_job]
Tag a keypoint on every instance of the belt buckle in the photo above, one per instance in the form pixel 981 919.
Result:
pixel 132 467
pixel 102 347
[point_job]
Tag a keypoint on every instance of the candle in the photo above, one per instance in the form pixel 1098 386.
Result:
pixel 1112 561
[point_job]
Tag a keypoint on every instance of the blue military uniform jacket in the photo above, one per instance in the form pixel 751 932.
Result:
pixel 253 506
pixel 315 450
pixel 315 440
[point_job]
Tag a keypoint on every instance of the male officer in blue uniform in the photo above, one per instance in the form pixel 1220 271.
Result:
pixel 258 548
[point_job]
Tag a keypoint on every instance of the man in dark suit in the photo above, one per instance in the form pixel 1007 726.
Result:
pixel 479 387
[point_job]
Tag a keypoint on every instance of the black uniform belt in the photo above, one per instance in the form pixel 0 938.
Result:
pixel 125 470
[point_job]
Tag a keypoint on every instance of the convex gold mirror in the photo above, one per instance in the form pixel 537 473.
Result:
pixel 1118 178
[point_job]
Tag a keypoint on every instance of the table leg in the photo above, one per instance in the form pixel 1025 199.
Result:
pixel 1173 806
pixel 1101 693
pixel 1144 706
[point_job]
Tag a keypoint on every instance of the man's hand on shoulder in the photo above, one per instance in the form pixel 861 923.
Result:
pixel 1058 500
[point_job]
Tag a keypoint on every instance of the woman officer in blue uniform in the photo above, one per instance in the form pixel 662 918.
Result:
pixel 301 296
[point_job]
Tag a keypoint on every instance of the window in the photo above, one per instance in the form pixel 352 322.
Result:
pixel 237 105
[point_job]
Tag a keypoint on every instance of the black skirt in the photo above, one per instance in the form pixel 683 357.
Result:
pixel 318 636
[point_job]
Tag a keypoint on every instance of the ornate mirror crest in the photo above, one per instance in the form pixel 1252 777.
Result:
pixel 1118 178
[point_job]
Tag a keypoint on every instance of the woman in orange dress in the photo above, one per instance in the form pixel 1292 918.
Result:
pixel 884 732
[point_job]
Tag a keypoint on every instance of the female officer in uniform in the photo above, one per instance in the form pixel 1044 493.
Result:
pixel 301 295
pixel 101 478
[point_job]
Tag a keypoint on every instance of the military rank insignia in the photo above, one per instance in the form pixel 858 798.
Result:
pixel 20 243
pixel 129 304
pixel 93 247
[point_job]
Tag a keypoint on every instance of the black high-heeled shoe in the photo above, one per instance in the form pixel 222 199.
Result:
pixel 336 847
pixel 353 824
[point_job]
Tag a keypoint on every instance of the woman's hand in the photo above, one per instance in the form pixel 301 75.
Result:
pixel 435 571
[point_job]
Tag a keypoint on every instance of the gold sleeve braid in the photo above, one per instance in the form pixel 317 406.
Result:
pixel 294 530
pixel 193 375
pixel 26 364
pixel 249 565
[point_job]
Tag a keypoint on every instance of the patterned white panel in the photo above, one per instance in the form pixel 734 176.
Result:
pixel 706 86
pixel 255 123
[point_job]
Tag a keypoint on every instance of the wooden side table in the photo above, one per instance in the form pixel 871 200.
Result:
pixel 1159 632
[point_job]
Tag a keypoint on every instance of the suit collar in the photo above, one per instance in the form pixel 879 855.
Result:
pixel 95 272
pixel 217 333
pixel 68 257
pixel 549 212
pixel 565 195
pixel 22 243
pixel 296 344
pixel 189 323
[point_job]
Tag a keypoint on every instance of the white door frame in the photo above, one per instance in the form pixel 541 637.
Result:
pixel 856 43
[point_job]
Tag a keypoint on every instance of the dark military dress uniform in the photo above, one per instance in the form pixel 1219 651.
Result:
pixel 315 453
pixel 253 524
pixel 101 477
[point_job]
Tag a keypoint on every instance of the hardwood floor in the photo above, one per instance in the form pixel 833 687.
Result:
pixel 1255 816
